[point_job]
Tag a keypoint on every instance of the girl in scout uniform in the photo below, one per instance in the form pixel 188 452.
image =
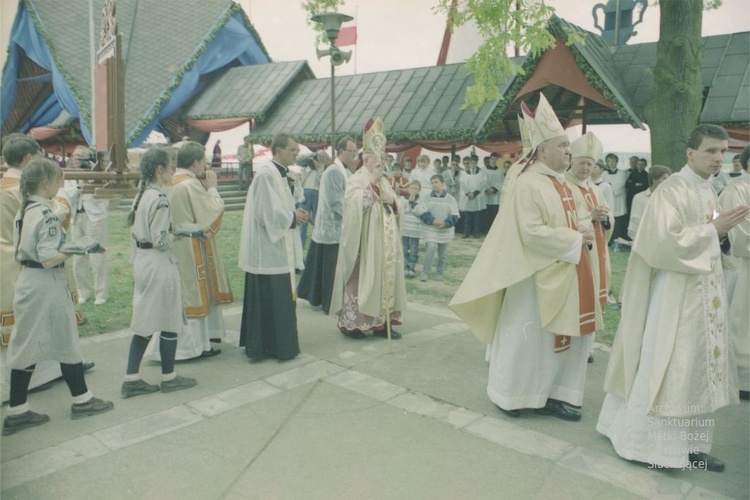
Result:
pixel 45 324
pixel 157 298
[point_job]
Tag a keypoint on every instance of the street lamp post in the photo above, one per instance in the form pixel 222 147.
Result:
pixel 331 22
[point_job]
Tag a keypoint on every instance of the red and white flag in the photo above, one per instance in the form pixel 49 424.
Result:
pixel 347 36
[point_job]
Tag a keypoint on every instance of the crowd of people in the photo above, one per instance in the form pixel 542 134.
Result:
pixel 681 350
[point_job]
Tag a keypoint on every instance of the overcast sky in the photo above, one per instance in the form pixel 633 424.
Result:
pixel 397 34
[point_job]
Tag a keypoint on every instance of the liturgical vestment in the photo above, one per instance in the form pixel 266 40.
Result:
pixel 588 196
pixel 737 193
pixel 530 294
pixel 369 271
pixel 270 253
pixel 671 355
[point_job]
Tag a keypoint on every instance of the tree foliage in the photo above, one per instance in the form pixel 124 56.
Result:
pixel 504 25
pixel 315 7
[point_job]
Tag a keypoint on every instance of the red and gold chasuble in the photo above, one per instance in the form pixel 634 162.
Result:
pixel 586 289
pixel 601 244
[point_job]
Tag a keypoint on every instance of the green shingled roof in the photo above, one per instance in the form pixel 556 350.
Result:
pixel 726 74
pixel 150 73
pixel 421 103
pixel 254 89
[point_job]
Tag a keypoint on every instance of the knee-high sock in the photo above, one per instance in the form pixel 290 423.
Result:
pixel 19 385
pixel 167 350
pixel 73 375
pixel 138 347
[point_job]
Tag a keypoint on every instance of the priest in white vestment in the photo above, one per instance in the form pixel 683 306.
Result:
pixel 270 253
pixel 530 292
pixel 671 366
pixel 584 153
pixel 737 273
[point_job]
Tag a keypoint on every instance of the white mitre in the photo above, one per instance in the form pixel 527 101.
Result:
pixel 542 124
pixel 587 146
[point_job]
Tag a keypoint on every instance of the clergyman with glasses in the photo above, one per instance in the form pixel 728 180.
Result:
pixel 270 254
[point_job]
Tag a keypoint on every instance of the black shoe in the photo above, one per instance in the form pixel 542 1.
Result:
pixel 137 388
pixel 559 410
pixel 88 365
pixel 93 406
pixel 745 395
pixel 16 423
pixel 215 341
pixel 510 413
pixel 591 358
pixel 384 334
pixel 706 462
pixel 213 352
pixel 356 335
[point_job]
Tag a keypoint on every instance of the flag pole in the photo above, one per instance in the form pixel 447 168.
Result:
pixel 356 17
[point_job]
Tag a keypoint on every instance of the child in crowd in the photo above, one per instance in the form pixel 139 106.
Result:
pixel 398 181
pixel 45 323
pixel 473 201
pixel 157 297
pixel 422 174
pixel 411 227
pixel 439 221
pixel 407 167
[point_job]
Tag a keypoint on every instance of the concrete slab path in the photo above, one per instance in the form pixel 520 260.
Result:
pixel 345 420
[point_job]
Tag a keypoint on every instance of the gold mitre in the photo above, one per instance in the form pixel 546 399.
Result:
pixel 373 140
pixel 525 132
pixel 586 146
pixel 543 123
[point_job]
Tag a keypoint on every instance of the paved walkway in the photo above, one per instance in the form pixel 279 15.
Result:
pixel 346 419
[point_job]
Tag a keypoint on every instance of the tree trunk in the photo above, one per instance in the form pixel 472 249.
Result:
pixel 674 109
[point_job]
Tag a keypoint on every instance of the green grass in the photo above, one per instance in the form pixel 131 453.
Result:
pixel 115 314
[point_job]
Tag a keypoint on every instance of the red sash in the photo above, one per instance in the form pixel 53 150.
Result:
pixel 601 244
pixel 586 292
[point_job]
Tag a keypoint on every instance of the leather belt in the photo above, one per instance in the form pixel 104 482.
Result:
pixel 144 246
pixel 37 265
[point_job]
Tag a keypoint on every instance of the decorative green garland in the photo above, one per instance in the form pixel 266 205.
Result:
pixel 259 117
pixel 458 135
pixel 731 124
